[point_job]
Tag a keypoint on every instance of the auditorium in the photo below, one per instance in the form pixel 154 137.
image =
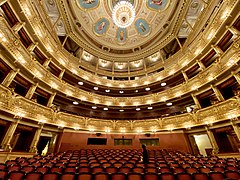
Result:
pixel 85 84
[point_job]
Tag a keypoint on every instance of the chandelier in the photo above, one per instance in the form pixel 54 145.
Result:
pixel 123 14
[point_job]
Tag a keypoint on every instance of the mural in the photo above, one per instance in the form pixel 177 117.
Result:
pixel 114 2
pixel 157 4
pixel 142 27
pixel 88 4
pixel 121 35
pixel 101 26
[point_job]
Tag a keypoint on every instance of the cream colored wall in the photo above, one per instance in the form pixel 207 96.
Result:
pixel 202 142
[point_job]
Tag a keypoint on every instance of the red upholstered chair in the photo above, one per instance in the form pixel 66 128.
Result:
pixel 70 170
pixel 183 176
pixel 118 176
pixel 177 170
pixel 204 169
pixel 216 176
pixel 111 169
pixel 14 168
pixel 3 166
pixel 67 176
pixel 11 162
pixel 128 164
pixel 232 175
pixel 3 174
pixel 138 170
pixel 124 169
pixel 56 169
pixel 106 164
pixel 167 176
pixel 134 176
pixel 51 176
pixel 83 169
pixel 16 175
pixel 101 176
pixel 28 169
pixel 200 176
pixel 191 170
pixel 151 170
pixel 231 168
pixel 84 176
pixel 218 169
pixel 150 176
pixel 165 170
pixel 33 176
pixel 97 169
pixel 43 170
pixel 117 164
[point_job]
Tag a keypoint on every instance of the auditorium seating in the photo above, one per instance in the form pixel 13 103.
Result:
pixel 120 164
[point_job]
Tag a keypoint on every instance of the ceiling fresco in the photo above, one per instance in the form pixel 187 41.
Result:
pixel 95 17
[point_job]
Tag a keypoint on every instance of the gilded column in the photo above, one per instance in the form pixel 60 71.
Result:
pixel 185 76
pixel 18 26
pixel 31 91
pixel 195 99
pixel 33 147
pixel 236 129
pixel 212 140
pixel 9 135
pixel 217 93
pixel 32 46
pixel 61 74
pixel 46 62
pixel 201 65
pixel 52 143
pixel 217 50
pixel 233 30
pixel 10 77
pixel 50 101
pixel 236 76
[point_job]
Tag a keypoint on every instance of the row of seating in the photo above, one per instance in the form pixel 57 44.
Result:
pixel 18 175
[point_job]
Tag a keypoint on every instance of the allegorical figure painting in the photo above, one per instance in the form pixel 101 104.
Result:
pixel 142 27
pixel 121 35
pixel 157 4
pixel 88 4
pixel 101 26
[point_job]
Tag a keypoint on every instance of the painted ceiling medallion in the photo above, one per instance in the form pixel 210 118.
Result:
pixel 123 14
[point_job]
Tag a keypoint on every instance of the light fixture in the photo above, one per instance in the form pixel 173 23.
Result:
pixel 75 103
pixel 169 104
pixel 138 109
pixel 123 14
pixel 121 110
pixel 163 84
pixel 95 88
pixel 80 83
pixel 150 107
pixel 136 90
pixel 121 92
pixel 147 89
pixel 107 90
pixel 105 109
pixel 94 107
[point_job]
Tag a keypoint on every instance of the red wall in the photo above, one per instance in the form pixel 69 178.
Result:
pixel 76 141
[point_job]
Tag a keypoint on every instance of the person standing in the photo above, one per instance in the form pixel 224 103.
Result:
pixel 145 154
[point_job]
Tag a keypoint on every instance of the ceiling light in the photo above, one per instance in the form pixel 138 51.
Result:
pixel 107 90
pixel 147 89
pixel 121 110
pixel 169 104
pixel 163 84
pixel 121 92
pixel 94 107
pixel 95 88
pixel 123 14
pixel 150 107
pixel 136 90
pixel 105 109
pixel 138 109
pixel 75 103
pixel 80 83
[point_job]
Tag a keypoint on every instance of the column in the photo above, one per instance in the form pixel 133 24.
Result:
pixel 236 128
pixel 32 46
pixel 202 66
pixel 9 135
pixel 31 91
pixel 217 50
pixel 50 101
pixel 236 76
pixel 233 30
pixel 2 2
pixel 61 74
pixel 46 62
pixel 217 93
pixel 195 99
pixel 185 76
pixel 52 143
pixel 212 140
pixel 10 77
pixel 33 147
pixel 18 26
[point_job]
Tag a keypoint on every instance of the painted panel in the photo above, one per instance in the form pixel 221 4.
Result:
pixel 88 4
pixel 157 5
pixel 121 35
pixel 142 27
pixel 101 26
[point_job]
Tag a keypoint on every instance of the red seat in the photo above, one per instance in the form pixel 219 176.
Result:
pixel 118 176
pixel 232 175
pixel 183 176
pixel 14 168
pixel 138 170
pixel 150 176
pixel 200 176
pixel 67 176
pixel 83 169
pixel 70 169
pixel 3 174
pixel 101 176
pixel 191 170
pixel 218 169
pixel 151 170
pixel 134 176
pixel 42 169
pixel 56 169
pixel 33 176
pixel 216 176
pixel 111 170
pixel 3 166
pixel 28 169
pixel 51 176
pixel 167 176
pixel 84 176
pixel 16 175
pixel 97 169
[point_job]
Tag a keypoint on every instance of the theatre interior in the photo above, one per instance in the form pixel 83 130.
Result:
pixel 85 83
